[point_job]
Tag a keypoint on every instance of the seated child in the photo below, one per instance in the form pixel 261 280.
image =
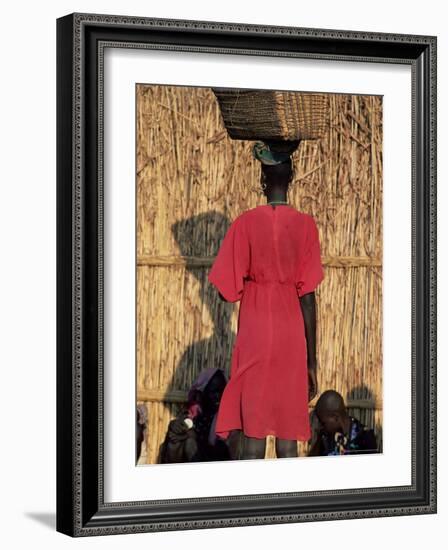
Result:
pixel 335 432
pixel 140 428
pixel 191 435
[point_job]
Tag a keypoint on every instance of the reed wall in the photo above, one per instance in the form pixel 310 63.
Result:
pixel 192 182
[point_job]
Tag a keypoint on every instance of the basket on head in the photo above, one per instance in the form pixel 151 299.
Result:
pixel 268 114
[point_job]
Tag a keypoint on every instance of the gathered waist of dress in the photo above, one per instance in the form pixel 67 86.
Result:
pixel 270 282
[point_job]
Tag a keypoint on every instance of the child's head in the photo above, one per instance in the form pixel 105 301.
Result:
pixel 331 411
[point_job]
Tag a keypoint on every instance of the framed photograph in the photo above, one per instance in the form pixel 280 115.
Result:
pixel 246 252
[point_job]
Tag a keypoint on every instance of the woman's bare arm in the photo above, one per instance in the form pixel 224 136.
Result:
pixel 308 305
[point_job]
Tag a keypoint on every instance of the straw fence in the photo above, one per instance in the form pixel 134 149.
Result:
pixel 192 182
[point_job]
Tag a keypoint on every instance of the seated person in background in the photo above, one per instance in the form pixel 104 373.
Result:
pixel 140 429
pixel 335 432
pixel 191 435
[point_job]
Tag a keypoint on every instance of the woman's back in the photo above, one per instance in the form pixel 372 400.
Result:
pixel 277 239
pixel 268 258
pixel 267 245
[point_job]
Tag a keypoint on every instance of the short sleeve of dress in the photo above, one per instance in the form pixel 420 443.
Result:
pixel 311 272
pixel 232 262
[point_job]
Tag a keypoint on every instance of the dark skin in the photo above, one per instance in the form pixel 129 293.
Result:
pixel 332 417
pixel 308 306
pixel 332 412
pixel 182 442
pixel 276 190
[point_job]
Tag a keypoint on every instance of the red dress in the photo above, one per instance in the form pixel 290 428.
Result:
pixel 268 258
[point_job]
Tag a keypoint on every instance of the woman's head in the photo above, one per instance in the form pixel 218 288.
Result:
pixel 207 389
pixel 277 175
pixel 276 163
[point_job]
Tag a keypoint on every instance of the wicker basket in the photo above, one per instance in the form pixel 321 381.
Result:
pixel 270 114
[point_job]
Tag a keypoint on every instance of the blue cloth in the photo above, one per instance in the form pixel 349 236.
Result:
pixel 360 440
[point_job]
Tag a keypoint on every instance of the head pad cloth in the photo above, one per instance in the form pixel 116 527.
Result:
pixel 262 152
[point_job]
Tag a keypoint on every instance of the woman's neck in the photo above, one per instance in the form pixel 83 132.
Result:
pixel 276 195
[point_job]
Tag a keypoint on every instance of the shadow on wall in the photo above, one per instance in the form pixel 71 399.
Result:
pixel 197 237
pixel 366 415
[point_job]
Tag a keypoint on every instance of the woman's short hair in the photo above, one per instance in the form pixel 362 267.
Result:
pixel 278 174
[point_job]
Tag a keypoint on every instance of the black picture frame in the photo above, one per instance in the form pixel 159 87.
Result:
pixel 81 39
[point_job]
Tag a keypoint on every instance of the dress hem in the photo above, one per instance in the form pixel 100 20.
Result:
pixel 225 434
